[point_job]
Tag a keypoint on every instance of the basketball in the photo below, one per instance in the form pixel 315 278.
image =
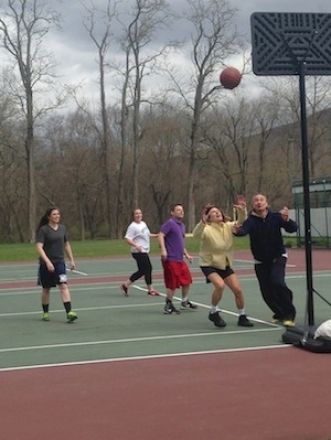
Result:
pixel 230 78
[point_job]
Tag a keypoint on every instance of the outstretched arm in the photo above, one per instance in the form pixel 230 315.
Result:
pixel 154 235
pixel 241 230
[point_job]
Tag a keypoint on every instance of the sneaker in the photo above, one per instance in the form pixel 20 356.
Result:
pixel 175 310
pixel 124 290
pixel 170 308
pixel 45 316
pixel 71 316
pixel 153 293
pixel 288 323
pixel 188 305
pixel 217 319
pixel 167 309
pixel 243 321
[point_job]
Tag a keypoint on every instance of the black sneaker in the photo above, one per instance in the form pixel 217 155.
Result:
pixel 188 305
pixel 217 319
pixel 243 321
pixel 175 310
pixel 170 308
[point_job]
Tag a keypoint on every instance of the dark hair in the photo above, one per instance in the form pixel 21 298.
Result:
pixel 136 209
pixel 210 206
pixel 45 218
pixel 173 206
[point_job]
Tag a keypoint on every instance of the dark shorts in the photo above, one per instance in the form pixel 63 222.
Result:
pixel 223 273
pixel 176 274
pixel 48 279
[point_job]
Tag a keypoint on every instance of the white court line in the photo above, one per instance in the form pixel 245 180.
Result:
pixel 127 306
pixel 77 272
pixel 115 284
pixel 102 285
pixel 228 312
pixel 131 340
pixel 71 276
pixel 148 357
pixel 143 339
pixel 252 262
pixel 81 309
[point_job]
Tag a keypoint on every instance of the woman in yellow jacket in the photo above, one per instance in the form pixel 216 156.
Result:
pixel 216 244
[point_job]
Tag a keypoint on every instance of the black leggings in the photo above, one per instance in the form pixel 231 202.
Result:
pixel 144 267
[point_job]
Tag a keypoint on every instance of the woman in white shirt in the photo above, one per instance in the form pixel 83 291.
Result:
pixel 138 237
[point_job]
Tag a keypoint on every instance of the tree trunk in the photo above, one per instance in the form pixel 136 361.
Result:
pixel 124 123
pixel 29 148
pixel 105 145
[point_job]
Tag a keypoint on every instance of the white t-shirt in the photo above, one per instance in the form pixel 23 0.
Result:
pixel 140 234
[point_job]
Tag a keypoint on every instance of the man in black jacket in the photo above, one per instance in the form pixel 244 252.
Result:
pixel 264 229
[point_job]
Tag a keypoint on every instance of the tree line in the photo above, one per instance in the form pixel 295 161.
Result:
pixel 192 143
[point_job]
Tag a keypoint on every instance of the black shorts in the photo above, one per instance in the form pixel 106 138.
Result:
pixel 48 279
pixel 223 273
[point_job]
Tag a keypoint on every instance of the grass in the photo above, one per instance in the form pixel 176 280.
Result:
pixel 96 249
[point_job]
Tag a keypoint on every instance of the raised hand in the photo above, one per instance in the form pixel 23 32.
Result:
pixel 284 213
pixel 240 202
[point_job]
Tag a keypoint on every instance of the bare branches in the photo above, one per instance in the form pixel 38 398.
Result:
pixel 212 40
pixel 147 17
pixel 96 16
pixel 102 43
pixel 23 29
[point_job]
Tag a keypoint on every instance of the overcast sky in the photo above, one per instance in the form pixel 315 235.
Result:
pixel 75 54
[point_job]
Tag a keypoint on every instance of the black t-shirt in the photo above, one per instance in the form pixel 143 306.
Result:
pixel 53 242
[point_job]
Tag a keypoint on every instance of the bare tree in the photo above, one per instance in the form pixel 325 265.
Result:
pixel 265 113
pixel 72 151
pixel 124 128
pixel 101 39
pixel 318 98
pixel 12 181
pixel 213 40
pixel 147 18
pixel 222 151
pixel 23 29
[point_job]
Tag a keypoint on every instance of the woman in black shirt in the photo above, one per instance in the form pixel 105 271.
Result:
pixel 52 245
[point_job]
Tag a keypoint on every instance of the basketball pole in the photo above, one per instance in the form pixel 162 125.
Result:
pixel 306 195
pixel 281 46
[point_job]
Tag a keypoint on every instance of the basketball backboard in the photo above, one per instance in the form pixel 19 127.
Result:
pixel 283 41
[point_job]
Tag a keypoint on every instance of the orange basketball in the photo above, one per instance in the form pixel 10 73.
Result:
pixel 230 77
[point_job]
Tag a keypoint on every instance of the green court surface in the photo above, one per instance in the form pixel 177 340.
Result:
pixel 111 326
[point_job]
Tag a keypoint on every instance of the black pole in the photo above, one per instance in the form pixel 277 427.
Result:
pixel 306 196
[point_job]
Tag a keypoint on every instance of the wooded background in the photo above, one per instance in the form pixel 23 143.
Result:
pixel 193 142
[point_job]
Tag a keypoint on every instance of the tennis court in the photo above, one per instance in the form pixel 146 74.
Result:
pixel 126 371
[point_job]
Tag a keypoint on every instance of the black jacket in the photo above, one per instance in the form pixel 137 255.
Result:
pixel 265 234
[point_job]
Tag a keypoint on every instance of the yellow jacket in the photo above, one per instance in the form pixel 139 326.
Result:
pixel 216 244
